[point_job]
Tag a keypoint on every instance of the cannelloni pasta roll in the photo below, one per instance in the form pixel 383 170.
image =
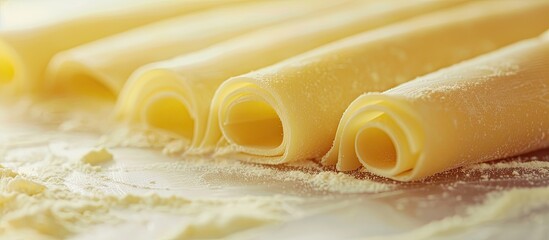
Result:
pixel 175 95
pixel 491 107
pixel 26 51
pixel 102 67
pixel 291 110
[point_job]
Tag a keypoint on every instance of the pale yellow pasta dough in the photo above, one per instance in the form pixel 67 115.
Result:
pixel 175 95
pixel 102 67
pixel 26 51
pixel 491 107
pixel 291 110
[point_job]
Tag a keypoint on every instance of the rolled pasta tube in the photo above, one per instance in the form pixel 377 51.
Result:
pixel 26 51
pixel 175 95
pixel 491 107
pixel 290 111
pixel 102 67
pixel 19 14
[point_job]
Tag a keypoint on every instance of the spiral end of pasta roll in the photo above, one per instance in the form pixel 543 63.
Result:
pixel 158 99
pixel 12 70
pixel 251 121
pixel 380 133
pixel 7 64
pixel 245 119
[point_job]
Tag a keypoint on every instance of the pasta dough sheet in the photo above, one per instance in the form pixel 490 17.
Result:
pixel 491 107
pixel 102 67
pixel 290 111
pixel 175 95
pixel 26 51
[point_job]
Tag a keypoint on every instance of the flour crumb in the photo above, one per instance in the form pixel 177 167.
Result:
pixel 25 186
pixel 5 173
pixel 96 157
pixel 175 147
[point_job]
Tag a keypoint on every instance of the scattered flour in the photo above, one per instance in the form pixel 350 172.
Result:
pixel 345 183
pixel 496 207
pixel 316 178
pixel 306 171
pixel 36 203
pixel 140 137
pixel 527 168
pixel 537 165
pixel 232 218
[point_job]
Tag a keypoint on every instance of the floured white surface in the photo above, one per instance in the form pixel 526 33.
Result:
pixel 47 190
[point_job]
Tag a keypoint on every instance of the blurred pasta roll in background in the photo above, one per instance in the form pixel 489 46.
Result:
pixel 25 51
pixel 101 68
pixel 175 95
pixel 488 108
pixel 290 111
